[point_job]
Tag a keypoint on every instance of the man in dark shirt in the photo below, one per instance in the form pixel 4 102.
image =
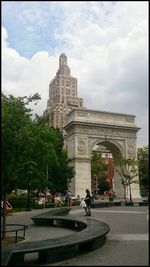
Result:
pixel 88 202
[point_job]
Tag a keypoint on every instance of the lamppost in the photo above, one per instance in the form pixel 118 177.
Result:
pixel 46 185
pixel 96 185
pixel 30 170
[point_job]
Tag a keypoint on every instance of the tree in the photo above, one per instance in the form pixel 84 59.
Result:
pixel 99 170
pixel 30 143
pixel 143 160
pixel 16 122
pixel 103 186
pixel 54 159
pixel 62 175
pixel 96 166
pixel 127 169
pixel 25 140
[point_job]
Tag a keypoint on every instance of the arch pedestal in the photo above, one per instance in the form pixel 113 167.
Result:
pixel 82 179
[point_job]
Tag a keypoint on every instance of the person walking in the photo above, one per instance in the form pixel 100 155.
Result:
pixel 69 197
pixel 88 202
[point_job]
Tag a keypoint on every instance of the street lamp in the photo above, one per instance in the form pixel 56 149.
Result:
pixel 30 170
pixel 96 186
pixel 95 181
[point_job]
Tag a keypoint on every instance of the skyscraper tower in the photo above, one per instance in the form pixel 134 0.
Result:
pixel 62 95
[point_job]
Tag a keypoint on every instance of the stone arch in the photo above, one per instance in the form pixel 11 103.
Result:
pixel 84 129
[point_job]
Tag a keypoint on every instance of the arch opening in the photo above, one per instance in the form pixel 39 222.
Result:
pixel 107 176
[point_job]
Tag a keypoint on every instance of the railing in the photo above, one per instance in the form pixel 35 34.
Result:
pixel 9 230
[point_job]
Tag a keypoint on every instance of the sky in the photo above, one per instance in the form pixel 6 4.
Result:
pixel 106 43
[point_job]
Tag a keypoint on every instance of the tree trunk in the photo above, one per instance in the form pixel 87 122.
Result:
pixel 125 197
pixel 130 192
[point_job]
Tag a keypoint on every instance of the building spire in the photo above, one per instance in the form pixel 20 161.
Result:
pixel 62 60
pixel 63 95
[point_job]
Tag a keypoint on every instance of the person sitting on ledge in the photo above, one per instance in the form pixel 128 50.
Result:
pixel 8 208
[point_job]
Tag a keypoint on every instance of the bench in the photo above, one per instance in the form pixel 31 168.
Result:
pixel 89 234
pixel 38 219
pixel 144 203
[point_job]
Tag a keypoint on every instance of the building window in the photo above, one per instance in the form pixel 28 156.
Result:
pixel 68 92
pixel 67 83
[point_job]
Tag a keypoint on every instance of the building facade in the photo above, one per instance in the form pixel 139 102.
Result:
pixel 63 95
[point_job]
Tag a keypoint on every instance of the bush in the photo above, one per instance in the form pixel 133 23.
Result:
pixel 20 201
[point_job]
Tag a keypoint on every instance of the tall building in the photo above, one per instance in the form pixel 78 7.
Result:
pixel 63 95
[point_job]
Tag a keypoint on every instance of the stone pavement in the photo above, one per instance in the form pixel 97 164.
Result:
pixel 126 244
pixel 35 232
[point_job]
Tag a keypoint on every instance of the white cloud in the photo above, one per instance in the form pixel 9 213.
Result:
pixel 107 48
pixel 22 76
pixel 4 34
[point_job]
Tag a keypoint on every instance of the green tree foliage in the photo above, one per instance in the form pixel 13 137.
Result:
pixel 143 160
pixel 53 160
pixel 30 142
pixel 61 176
pixel 96 164
pixel 103 186
pixel 32 152
pixel 128 170
pixel 16 127
pixel 100 171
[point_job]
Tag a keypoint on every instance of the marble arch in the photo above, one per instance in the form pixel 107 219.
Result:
pixel 84 129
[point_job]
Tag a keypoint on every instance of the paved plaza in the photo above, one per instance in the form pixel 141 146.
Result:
pixel 126 243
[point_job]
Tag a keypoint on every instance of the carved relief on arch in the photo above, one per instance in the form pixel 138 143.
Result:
pixel 82 145
pixel 92 142
pixel 82 114
pixel 121 146
pixel 131 148
pixel 107 131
